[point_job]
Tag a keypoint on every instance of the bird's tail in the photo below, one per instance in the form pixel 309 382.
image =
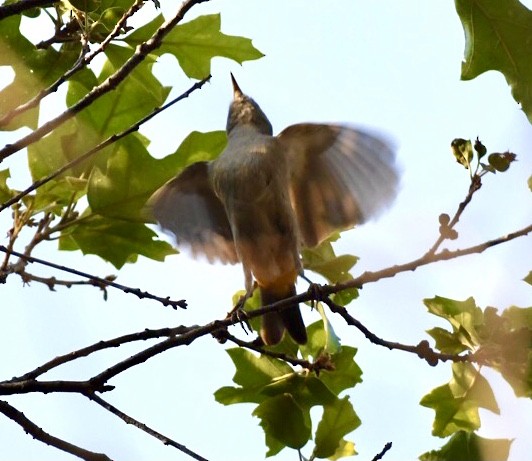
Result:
pixel 275 323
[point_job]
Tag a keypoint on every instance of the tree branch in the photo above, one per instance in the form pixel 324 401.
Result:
pixel 129 420
pixel 29 386
pixel 383 452
pixel 102 345
pixel 37 433
pixel 97 281
pixel 428 258
pixel 24 5
pixel 422 350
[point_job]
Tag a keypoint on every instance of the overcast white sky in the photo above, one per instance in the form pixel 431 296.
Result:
pixel 391 66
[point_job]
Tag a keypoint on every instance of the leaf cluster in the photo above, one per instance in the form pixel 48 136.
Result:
pixel 284 397
pixel 501 341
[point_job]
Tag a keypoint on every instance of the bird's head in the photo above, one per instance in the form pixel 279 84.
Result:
pixel 245 111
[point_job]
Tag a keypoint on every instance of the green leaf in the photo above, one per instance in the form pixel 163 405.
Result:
pixel 528 278
pixel 497 38
pixel 345 449
pixel 85 5
pixel 456 404
pixel 34 70
pixel 507 348
pixel 452 414
pixel 274 446
pixel 463 151
pixel 462 315
pixel 447 342
pixel 320 339
pixel 323 260
pixel 56 194
pixel 144 32
pixel 283 419
pixel 468 446
pixel 195 43
pixel 346 373
pixel 114 240
pixel 278 390
pixel 5 192
pixel 253 371
pixel 197 147
pixel 501 162
pixel 338 420
pixel 115 111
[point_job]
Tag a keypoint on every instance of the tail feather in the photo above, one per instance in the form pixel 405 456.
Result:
pixel 274 323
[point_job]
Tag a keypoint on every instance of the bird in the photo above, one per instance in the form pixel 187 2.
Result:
pixel 266 197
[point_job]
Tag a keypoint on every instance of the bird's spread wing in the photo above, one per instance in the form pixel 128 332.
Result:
pixel 339 177
pixel 188 207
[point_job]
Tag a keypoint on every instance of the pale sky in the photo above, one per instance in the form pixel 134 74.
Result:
pixel 390 66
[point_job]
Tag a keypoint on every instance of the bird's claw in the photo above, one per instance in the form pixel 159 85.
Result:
pixel 316 293
pixel 238 314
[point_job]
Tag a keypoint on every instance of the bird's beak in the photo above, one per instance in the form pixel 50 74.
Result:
pixel 237 92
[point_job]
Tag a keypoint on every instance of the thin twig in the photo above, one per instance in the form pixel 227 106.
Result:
pixel 37 433
pixel 102 345
pixel 253 346
pixel 99 281
pixel 102 145
pixel 443 255
pixel 108 85
pixel 474 186
pixel 23 5
pixel 51 282
pixel 422 350
pixel 383 452
pixel 129 420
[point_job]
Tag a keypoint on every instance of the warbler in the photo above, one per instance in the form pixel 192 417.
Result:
pixel 265 197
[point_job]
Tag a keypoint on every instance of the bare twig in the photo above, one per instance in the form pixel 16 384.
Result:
pixel 383 452
pixel 37 433
pixel 23 5
pixel 475 185
pixel 99 281
pixel 30 386
pixel 52 282
pixel 102 145
pixel 102 345
pixel 422 350
pixel 253 346
pixel 108 85
pixel 129 420
pixel 443 255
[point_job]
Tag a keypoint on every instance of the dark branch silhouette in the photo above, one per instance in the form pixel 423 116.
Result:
pixel 98 281
pixel 37 433
pixel 143 427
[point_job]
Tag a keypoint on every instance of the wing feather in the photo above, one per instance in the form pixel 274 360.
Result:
pixel 340 176
pixel 188 207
